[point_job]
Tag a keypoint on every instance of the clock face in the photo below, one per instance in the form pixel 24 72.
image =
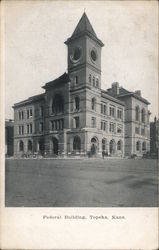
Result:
pixel 76 55
pixel 93 55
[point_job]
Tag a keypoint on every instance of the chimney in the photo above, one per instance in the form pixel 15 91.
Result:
pixel 138 92
pixel 115 88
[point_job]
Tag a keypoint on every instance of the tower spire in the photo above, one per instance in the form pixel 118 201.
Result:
pixel 84 27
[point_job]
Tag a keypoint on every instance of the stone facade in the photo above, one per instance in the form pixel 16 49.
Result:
pixel 154 138
pixel 9 135
pixel 75 116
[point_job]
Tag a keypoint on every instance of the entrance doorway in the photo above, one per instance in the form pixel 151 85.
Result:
pixel 112 147
pixel 94 146
pixel 41 146
pixel 55 146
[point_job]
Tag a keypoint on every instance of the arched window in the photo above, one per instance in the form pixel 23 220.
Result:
pixel 93 103
pixel 103 144
pixel 21 146
pixel 137 113
pixel 90 78
pixel 93 140
pixel 77 101
pixel 137 146
pixel 58 104
pixel 77 143
pixel 143 115
pixel 30 145
pixel 119 145
pixel 94 81
pixel 144 146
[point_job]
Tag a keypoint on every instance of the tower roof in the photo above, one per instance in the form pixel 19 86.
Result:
pixel 84 27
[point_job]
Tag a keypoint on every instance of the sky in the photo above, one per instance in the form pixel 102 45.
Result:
pixel 35 53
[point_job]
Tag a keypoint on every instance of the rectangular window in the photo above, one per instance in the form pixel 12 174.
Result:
pixel 19 130
pixel 101 125
pixel 137 130
pixel 94 81
pixel 52 125
pixel 105 108
pixel 31 113
pixel 119 130
pixel 104 126
pixel 31 128
pixel 90 78
pixel 93 121
pixel 112 127
pixel 22 115
pixel 27 128
pixel 101 108
pixel 22 129
pixel 76 79
pixel 112 111
pixel 76 120
pixel 61 124
pixel 19 115
pixel 97 82
pixel 142 131
pixel 28 113
pixel 41 127
pixel 119 114
pixel 57 125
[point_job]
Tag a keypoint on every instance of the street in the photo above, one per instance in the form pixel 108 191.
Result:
pixel 81 183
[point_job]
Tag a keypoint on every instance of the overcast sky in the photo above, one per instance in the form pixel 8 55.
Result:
pixel 35 52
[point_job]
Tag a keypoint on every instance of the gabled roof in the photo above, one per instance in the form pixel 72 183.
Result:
pixel 111 97
pixel 123 93
pixel 60 80
pixel 29 100
pixel 84 27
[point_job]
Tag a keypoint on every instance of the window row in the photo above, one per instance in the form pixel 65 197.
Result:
pixel 103 109
pixel 29 146
pixel 29 129
pixel 58 104
pixel 112 145
pixel 140 146
pixel 140 115
pixel 94 81
pixel 57 124
pixel 29 113
pixel 40 111
pixel 21 115
pixel 137 131
pixel 112 112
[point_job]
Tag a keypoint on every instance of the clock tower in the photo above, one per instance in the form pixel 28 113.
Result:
pixel 84 55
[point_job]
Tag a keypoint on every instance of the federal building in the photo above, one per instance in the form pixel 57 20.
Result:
pixel 75 116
